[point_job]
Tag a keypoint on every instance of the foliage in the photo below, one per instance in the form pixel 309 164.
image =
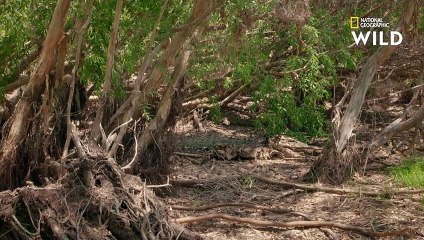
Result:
pixel 410 172
pixel 137 21
pixel 23 26
pixel 294 101
pixel 216 114
pixel 290 103
pixel 246 54
pixel 245 39
pixel 24 23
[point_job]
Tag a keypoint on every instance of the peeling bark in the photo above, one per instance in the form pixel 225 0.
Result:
pixel 200 13
pixel 20 120
pixel 347 124
pixel 336 165
pixel 156 126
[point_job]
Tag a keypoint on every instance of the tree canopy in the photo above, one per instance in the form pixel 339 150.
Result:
pixel 96 97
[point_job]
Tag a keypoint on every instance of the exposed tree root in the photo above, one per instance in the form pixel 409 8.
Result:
pixel 305 187
pixel 244 205
pixel 19 122
pixel 336 168
pixel 295 224
pixel 95 200
pixel 254 206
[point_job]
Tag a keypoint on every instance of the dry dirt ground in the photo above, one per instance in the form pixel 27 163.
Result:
pixel 377 213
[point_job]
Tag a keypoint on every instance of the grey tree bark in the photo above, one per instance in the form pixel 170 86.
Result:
pixel 340 160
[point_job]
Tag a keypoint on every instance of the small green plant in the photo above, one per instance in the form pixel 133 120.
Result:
pixel 216 114
pixel 410 172
pixel 247 182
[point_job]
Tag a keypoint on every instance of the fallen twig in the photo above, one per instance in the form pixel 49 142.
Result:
pixel 220 205
pixel 194 155
pixel 199 95
pixel 306 187
pixel 316 188
pixel 253 206
pixel 77 141
pixel 198 122
pixel 294 224
pixel 184 233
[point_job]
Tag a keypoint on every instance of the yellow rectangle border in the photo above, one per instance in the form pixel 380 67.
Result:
pixel 352 20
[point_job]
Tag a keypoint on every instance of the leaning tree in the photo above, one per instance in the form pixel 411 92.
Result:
pixel 342 157
pixel 93 196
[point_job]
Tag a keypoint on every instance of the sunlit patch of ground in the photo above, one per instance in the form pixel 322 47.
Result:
pixel 380 214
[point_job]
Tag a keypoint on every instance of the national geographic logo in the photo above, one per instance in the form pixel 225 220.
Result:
pixel 354 22
pixel 378 36
pixel 369 22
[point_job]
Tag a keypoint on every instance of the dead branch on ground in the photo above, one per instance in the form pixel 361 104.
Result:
pixel 295 224
pixel 202 103
pixel 193 155
pixel 202 94
pixel 305 187
pixel 253 206
pixel 198 122
pixel 243 205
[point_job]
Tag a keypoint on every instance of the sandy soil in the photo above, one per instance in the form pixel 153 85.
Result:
pixel 369 212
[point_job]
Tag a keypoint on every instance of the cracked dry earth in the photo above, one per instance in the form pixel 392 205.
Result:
pixel 379 214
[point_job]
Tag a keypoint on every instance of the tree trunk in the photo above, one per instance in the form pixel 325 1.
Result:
pixel 10 165
pixel 80 34
pixel 152 133
pixel 105 99
pixel 200 13
pixel 340 159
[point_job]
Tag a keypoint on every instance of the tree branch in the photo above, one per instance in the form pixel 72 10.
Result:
pixel 80 35
pixel 294 224
pixel 109 69
pixel 305 187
